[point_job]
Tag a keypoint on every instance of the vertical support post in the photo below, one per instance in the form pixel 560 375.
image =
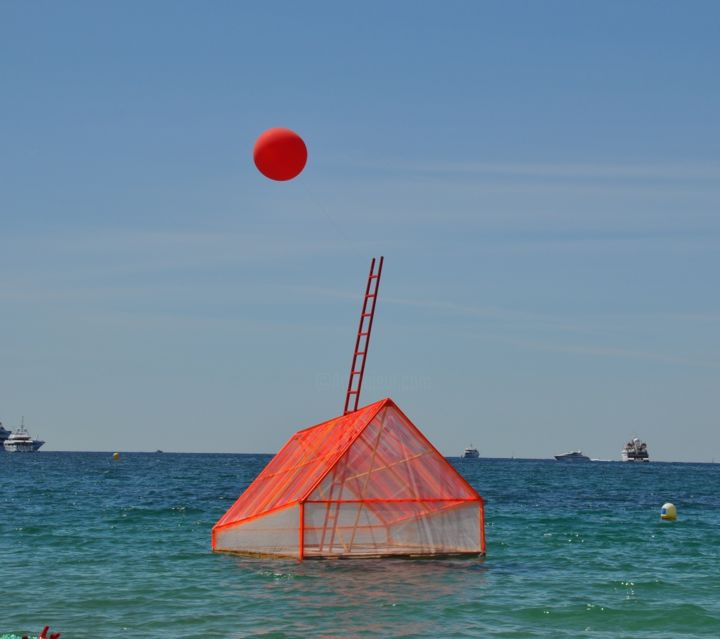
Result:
pixel 301 532
pixel 482 526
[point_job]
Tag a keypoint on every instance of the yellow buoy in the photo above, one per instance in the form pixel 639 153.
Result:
pixel 668 512
pixel 116 456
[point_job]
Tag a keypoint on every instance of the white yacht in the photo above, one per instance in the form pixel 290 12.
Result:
pixel 635 451
pixel 21 442
pixel 575 455
pixel 470 453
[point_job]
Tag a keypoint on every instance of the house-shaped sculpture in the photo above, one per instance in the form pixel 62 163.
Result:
pixel 366 484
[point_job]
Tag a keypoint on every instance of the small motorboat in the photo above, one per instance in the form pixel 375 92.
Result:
pixel 575 455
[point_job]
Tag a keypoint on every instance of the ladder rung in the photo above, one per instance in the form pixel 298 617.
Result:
pixel 366 315
pixel 371 295
pixel 360 352
pixel 355 372
pixel 364 334
pixel 353 392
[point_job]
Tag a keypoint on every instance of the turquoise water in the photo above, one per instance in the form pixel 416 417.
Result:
pixel 97 548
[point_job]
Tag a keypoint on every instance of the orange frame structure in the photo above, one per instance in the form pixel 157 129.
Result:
pixel 365 484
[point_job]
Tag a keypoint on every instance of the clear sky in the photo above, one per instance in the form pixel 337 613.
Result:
pixel 543 179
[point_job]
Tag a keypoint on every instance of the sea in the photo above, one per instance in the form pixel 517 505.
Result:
pixel 98 548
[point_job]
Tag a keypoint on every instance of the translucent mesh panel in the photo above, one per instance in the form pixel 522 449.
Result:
pixel 299 465
pixel 449 528
pixel 357 529
pixel 343 529
pixel 272 534
pixel 390 459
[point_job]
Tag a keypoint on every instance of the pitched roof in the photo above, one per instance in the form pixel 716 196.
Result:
pixel 300 464
pixel 373 454
pixel 391 461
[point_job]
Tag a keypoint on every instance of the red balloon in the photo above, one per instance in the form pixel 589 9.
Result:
pixel 280 154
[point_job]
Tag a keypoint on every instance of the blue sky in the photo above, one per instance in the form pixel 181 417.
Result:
pixel 543 180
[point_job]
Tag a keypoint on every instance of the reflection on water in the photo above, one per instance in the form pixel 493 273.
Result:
pixel 354 598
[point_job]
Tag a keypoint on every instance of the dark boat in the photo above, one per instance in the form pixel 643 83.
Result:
pixel 575 455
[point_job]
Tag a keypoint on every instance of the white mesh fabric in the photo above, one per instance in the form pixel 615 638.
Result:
pixel 448 530
pixel 343 530
pixel 355 529
pixel 271 534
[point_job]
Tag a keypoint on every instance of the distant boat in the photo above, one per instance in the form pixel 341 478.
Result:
pixel 635 451
pixel 21 442
pixel 575 455
pixel 470 453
